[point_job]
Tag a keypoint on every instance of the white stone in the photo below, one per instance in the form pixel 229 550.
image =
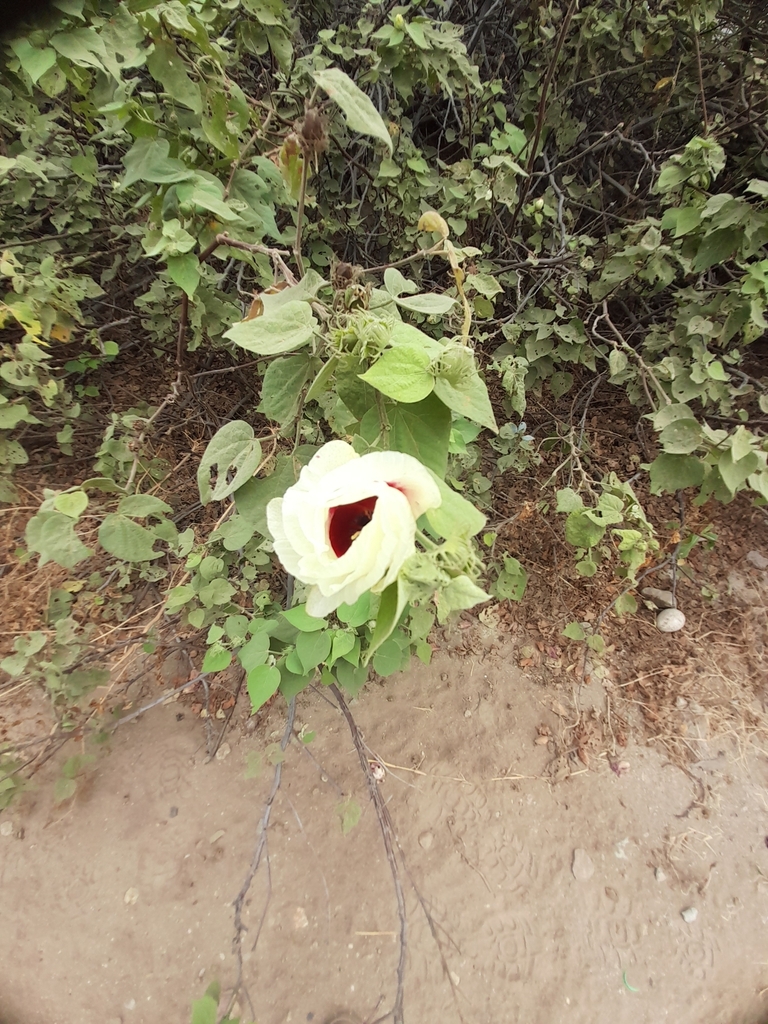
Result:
pixel 689 915
pixel 670 620
pixel 582 866
pixel 757 559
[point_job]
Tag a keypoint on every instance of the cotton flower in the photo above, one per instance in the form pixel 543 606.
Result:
pixel 349 522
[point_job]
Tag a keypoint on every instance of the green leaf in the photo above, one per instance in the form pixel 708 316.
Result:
pixel 12 415
pixel 72 504
pixel 254 652
pixel 205 1010
pixel 291 683
pixel 216 659
pixel 233 447
pixel 395 282
pixel 734 473
pixel 688 219
pixel 675 472
pixel 304 623
pixel 288 327
pixel 143 505
pixel 388 658
pixel 207 195
pixel 35 62
pixel 617 362
pixel 586 567
pixel 349 811
pixel 217 592
pixel 423 430
pixel 574 631
pixel 63 789
pixel 460 593
pixel 512 580
pixel 462 389
pixel 581 531
pixel 253 497
pixel 148 160
pixel 681 437
pixel 234 533
pixel 83 46
pixel 166 66
pixel 568 500
pixel 391 605
pixel 184 271
pixel 127 540
pixel 717 247
pixel 319 384
pixel 406 334
pixel 560 383
pixel 52 536
pixel 263 682
pixel 313 648
pixel 455 516
pixel 625 604
pixel 741 444
pixel 359 111
pixel 428 303
pixel 343 640
pixel 401 373
pixel 356 614
pixel 178 597
pixel 596 643
pixel 282 386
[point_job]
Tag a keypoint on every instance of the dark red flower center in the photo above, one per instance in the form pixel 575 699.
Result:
pixel 346 522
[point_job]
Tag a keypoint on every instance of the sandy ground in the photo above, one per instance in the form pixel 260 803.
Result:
pixel 550 901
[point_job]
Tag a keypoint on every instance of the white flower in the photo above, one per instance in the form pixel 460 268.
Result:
pixel 349 522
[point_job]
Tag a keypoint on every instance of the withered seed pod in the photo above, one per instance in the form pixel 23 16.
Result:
pixel 313 134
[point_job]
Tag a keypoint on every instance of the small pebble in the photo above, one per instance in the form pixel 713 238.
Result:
pixel 467 713
pixel 173 812
pixel 300 919
pixel 661 598
pixel 660 875
pixel 582 866
pixel 689 915
pixel 216 836
pixel 6 829
pixel 131 896
pixel 223 752
pixel 425 840
pixel 670 620
pixel 759 561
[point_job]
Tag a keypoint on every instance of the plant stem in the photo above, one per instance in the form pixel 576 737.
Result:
pixel 300 216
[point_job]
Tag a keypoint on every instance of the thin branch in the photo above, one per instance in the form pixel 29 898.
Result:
pixel 701 79
pixel 388 833
pixel 300 214
pixel 261 842
pixel 525 184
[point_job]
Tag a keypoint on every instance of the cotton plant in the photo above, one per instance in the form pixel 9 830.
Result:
pixel 373 544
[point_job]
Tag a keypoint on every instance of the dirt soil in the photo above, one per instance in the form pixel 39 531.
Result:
pixel 625 889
